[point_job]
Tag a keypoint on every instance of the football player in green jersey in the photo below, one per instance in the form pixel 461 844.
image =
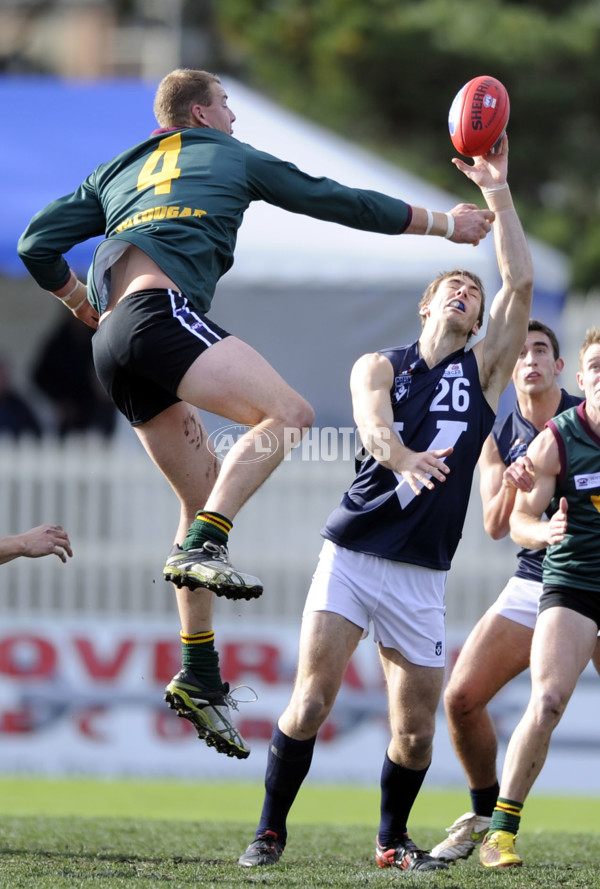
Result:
pixel 565 461
pixel 170 208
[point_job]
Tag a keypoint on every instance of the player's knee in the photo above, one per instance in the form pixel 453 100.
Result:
pixel 297 419
pixel 310 711
pixel 458 702
pixel 414 747
pixel 548 705
pixel 299 414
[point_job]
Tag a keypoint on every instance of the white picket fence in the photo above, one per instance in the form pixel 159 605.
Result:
pixel 121 517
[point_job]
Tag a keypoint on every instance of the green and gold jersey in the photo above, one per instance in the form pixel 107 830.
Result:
pixel 575 562
pixel 180 196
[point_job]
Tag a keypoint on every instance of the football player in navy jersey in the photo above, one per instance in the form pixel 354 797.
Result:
pixel 170 208
pixel 423 412
pixel 564 460
pixel 497 649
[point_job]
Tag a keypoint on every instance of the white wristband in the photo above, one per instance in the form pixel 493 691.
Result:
pixel 450 229
pixel 429 222
pixel 79 305
pixel 495 188
pixel 68 295
pixel 498 198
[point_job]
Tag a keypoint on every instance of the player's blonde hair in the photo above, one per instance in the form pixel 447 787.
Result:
pixel 592 338
pixel 433 288
pixel 178 91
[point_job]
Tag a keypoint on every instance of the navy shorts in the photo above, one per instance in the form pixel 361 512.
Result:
pixel 143 349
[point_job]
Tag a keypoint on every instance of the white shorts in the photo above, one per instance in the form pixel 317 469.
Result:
pixel 405 603
pixel 518 601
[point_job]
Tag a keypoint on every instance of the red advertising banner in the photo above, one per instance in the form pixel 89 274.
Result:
pixel 86 697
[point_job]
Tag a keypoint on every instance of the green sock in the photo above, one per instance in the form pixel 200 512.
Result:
pixel 201 657
pixel 506 816
pixel 207 526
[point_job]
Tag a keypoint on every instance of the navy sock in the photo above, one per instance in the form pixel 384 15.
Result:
pixel 399 789
pixel 288 763
pixel 483 801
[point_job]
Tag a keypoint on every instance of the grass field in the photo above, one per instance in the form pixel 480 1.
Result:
pixel 109 834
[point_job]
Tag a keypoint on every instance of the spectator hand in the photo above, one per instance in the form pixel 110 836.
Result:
pixel 45 540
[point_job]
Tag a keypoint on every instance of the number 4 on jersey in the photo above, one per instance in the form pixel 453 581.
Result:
pixel 167 153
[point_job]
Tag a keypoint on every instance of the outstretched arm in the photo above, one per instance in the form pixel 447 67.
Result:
pixel 370 383
pixel 511 307
pixel 41 541
pixel 284 185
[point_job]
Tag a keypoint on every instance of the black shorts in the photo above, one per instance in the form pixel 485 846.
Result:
pixel 143 349
pixel 585 602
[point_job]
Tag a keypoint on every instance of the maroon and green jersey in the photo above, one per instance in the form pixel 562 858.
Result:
pixel 180 196
pixel 575 562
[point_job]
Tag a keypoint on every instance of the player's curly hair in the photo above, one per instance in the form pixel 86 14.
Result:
pixel 178 91
pixel 433 288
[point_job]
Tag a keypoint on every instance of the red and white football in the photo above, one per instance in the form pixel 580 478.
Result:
pixel 478 116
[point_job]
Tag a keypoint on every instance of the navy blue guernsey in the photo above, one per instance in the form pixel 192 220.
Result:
pixel 513 434
pixel 433 408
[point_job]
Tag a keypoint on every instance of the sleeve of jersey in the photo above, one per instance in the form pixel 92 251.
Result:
pixel 55 230
pixel 284 185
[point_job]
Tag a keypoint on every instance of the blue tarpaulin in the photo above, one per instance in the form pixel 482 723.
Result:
pixel 55 133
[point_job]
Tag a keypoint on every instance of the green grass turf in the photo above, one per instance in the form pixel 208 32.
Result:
pixel 241 802
pixel 137 853
pixel 126 834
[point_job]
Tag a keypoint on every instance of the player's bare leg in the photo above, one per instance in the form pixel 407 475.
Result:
pixel 327 642
pixel 563 644
pixel 231 379
pixel 176 441
pixel 496 650
pixel 413 696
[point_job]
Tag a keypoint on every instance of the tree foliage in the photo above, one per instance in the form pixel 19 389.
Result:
pixel 385 72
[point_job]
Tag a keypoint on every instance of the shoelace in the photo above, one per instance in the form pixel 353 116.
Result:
pixel 233 702
pixel 217 549
pixel 411 848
